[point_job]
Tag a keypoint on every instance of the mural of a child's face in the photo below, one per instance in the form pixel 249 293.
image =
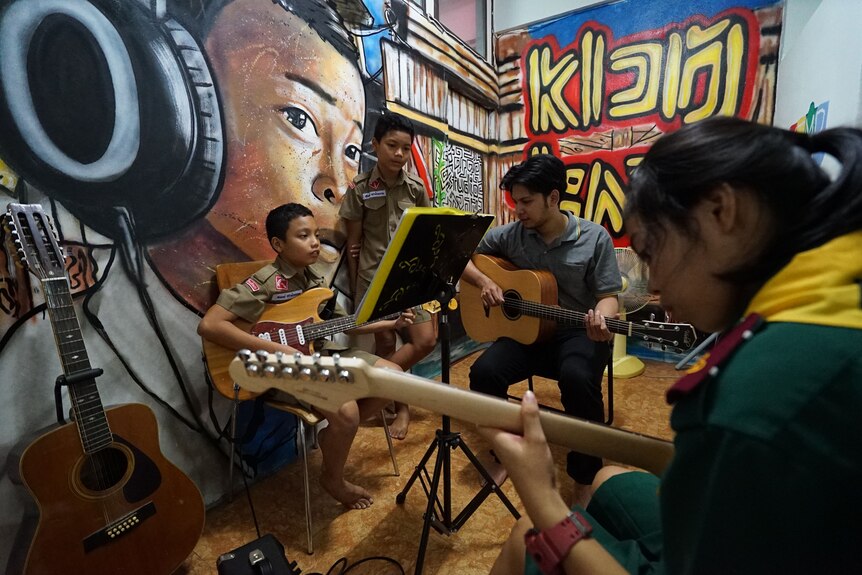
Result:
pixel 294 108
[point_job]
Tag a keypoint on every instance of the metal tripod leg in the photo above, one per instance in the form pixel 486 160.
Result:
pixel 444 442
pixel 232 442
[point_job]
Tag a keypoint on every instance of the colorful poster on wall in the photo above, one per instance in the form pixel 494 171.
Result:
pixel 601 84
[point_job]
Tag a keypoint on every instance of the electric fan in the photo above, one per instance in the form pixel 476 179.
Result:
pixel 633 297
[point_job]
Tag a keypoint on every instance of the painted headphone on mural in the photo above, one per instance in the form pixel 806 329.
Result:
pixel 110 103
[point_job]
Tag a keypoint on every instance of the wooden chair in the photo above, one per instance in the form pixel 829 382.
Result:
pixel 228 275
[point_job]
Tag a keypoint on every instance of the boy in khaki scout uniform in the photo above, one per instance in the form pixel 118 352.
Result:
pixel 293 234
pixel 371 209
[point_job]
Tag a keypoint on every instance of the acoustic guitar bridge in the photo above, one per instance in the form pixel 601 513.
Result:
pixel 119 527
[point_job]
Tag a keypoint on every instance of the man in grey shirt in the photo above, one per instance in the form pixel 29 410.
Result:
pixel 580 255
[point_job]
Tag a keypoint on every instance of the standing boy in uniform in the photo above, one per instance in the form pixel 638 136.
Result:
pixel 371 208
pixel 294 235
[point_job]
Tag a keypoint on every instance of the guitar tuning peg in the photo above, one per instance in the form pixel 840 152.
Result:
pixel 306 373
pixel 286 368
pixel 244 355
pixel 341 375
pixel 252 368
pixel 323 373
pixel 269 370
pixel 261 355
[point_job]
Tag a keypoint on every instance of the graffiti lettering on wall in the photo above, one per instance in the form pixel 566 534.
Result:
pixel 693 72
pixel 461 178
pixel 598 91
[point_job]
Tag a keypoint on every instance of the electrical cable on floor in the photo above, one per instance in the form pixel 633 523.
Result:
pixel 346 568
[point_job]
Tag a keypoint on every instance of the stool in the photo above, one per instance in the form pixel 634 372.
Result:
pixel 307 419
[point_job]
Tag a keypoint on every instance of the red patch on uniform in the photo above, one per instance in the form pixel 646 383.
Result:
pixel 712 363
pixel 280 282
pixel 252 285
pixel 375 184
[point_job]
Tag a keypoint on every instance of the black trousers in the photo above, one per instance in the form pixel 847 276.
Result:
pixel 572 358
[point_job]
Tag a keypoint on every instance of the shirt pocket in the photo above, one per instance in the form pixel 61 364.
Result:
pixel 403 205
pixel 375 212
pixel 374 203
pixel 572 274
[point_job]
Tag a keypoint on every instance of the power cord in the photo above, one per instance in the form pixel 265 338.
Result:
pixel 345 568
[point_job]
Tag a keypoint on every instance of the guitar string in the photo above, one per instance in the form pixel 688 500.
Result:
pixel 545 311
pixel 316 331
pixel 84 395
pixel 61 310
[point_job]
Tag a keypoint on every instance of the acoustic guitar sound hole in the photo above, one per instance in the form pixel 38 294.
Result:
pixel 104 469
pixel 510 309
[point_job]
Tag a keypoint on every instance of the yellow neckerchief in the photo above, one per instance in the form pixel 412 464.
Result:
pixel 822 286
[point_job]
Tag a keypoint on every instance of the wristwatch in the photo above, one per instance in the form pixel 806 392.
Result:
pixel 549 547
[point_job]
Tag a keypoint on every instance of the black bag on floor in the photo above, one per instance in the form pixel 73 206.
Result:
pixel 264 556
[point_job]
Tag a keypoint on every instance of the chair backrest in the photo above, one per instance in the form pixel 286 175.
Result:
pixel 228 275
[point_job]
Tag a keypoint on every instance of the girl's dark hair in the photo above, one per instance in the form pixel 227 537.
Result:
pixel 278 219
pixel 541 174
pixel 776 165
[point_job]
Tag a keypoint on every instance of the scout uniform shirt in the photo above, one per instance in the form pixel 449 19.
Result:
pixel 276 283
pixel 379 208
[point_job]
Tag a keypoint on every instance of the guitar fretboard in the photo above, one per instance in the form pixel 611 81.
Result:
pixel 86 403
pixel 339 325
pixel 565 316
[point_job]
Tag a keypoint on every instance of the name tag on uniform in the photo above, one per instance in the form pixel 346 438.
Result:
pixel 374 194
pixel 285 296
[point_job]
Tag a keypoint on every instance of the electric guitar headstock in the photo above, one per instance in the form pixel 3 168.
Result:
pixel 329 382
pixel 325 382
pixel 35 241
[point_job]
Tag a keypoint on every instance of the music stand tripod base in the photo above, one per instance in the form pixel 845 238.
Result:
pixel 428 252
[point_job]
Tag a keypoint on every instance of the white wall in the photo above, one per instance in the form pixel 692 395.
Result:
pixel 820 60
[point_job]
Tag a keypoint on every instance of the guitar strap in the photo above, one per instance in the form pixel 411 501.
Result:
pixel 327 311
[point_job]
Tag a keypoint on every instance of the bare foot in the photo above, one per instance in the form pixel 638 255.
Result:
pixel 495 469
pixel 350 495
pixel 398 428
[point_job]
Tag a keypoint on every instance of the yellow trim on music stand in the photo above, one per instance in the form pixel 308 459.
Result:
pixel 394 256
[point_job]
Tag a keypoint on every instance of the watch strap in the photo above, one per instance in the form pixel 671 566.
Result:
pixel 550 546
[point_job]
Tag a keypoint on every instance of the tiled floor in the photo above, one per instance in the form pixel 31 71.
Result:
pixel 393 530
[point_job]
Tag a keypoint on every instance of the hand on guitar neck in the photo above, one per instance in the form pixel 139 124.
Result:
pixel 529 313
pixel 329 382
pixel 289 327
pixel 492 295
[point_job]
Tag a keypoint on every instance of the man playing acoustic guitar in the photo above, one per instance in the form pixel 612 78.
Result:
pixel 580 255
pixel 293 234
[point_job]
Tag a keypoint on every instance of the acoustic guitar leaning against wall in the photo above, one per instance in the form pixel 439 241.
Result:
pixel 109 501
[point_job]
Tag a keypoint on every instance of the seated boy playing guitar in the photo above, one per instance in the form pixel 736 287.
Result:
pixel 293 234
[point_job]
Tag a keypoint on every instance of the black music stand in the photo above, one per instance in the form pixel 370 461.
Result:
pixel 427 254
